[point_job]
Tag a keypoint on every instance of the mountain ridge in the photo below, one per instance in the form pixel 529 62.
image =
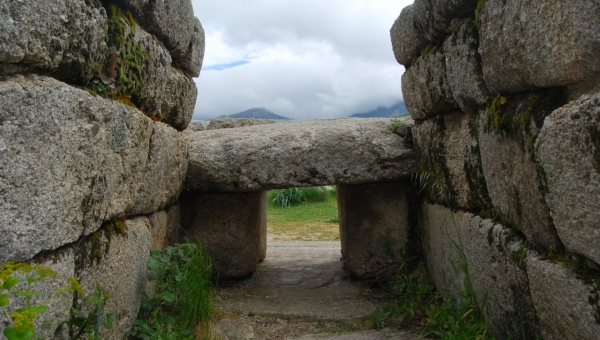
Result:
pixel 255 113
pixel 398 109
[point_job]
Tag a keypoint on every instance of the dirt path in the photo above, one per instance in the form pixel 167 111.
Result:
pixel 300 289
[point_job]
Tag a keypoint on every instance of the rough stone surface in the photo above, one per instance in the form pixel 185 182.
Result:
pixel 226 123
pixel 122 272
pixel 497 267
pixel 448 150
pixel 434 19
pixel 495 259
pixel 566 306
pixel 197 125
pixel 426 88
pixel 229 226
pixel 463 68
pixel 568 149
pixel 173 22
pixel 407 40
pixel 70 161
pixel 63 263
pixel 159 224
pixel 174 230
pixel 163 92
pixel 440 226
pixel 296 153
pixel 191 61
pixel 373 221
pixel 50 35
pixel 165 170
pixel 527 44
pixel 512 179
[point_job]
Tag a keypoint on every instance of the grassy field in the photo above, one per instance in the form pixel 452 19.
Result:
pixel 307 221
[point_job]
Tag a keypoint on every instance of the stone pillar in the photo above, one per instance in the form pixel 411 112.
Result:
pixel 231 226
pixel 373 227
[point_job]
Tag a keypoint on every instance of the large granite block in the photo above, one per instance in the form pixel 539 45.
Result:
pixel 568 150
pixel 71 161
pixel 65 37
pixel 374 227
pixel 546 43
pixel 230 227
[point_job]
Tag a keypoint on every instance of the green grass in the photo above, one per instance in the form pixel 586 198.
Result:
pixel 315 219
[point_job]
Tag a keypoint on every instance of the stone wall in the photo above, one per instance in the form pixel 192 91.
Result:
pixel 94 96
pixel 505 98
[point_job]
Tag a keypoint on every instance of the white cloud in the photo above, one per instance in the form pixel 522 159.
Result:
pixel 300 59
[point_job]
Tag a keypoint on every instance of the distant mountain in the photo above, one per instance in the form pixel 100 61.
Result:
pixel 385 112
pixel 256 113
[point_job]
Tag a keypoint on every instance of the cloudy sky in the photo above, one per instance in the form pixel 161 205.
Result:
pixel 302 59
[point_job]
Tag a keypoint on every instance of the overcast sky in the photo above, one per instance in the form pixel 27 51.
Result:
pixel 301 59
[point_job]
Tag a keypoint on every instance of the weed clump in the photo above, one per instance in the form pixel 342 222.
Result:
pixel 183 294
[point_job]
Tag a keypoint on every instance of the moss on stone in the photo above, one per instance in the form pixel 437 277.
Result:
pixel 98 243
pixel 125 63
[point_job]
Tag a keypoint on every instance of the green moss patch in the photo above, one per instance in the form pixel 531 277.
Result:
pixel 97 244
pixel 125 63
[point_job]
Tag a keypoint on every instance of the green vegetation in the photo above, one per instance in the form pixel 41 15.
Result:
pixel 91 323
pixel 497 119
pixel 314 218
pixel 121 76
pixel 396 122
pixel 183 294
pixel 478 12
pixel 418 304
pixel 22 320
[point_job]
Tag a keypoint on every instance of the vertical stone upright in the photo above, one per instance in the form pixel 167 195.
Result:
pixel 231 226
pixel 373 227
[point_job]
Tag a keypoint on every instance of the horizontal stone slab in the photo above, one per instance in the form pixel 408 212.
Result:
pixel 546 43
pixel 296 153
pixel 63 36
pixel 70 161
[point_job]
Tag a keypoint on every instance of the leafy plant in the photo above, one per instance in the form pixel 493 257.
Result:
pixel 91 323
pixel 183 294
pixel 22 324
